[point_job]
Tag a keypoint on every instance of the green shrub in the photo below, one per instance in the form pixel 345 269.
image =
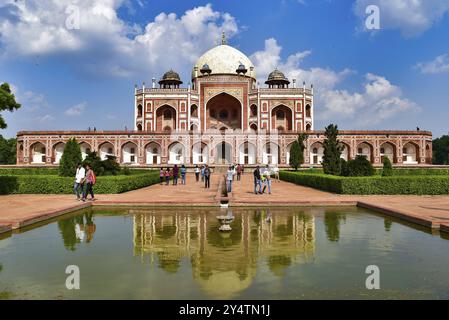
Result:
pixel 344 168
pixel 394 185
pixel 51 184
pixel 388 168
pixel 360 167
pixel 29 171
pixel 70 159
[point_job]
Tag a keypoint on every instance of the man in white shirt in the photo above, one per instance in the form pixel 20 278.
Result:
pixel 79 181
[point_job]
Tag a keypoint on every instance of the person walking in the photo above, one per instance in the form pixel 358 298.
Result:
pixel 239 172
pixel 79 181
pixel 229 178
pixel 197 173
pixel 183 175
pixel 161 175
pixel 257 181
pixel 207 175
pixel 91 179
pixel 175 175
pixel 203 168
pixel 276 173
pixel 267 180
pixel 167 176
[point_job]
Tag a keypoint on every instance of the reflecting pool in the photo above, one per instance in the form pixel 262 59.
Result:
pixel 178 253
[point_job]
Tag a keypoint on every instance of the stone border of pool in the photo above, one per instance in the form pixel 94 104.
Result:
pixel 8 226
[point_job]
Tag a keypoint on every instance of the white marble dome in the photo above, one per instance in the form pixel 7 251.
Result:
pixel 224 59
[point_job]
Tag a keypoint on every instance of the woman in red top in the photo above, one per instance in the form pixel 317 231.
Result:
pixel 90 181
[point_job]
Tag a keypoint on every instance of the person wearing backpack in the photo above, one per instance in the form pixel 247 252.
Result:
pixel 91 179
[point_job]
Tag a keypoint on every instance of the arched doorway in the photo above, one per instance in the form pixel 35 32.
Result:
pixel 223 152
pixel 316 153
pixel 247 153
pixel 106 150
pixel 166 118
pixel 194 111
pixel 58 151
pixel 129 153
pixel 85 150
pixel 153 154
pixel 253 111
pixel 176 153
pixel 345 152
pixel 200 153
pixel 139 127
pixel 308 127
pixel 139 111
pixel 38 151
pixel 224 110
pixel 281 118
pixel 410 153
pixel 366 150
pixel 388 150
pixel 253 128
pixel 271 153
pixel 308 111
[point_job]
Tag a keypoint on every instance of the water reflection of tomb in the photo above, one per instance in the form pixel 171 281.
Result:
pixel 224 264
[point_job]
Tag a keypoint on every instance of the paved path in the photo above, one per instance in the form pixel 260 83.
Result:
pixel 22 210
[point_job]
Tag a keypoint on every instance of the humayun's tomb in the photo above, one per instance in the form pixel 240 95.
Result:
pixel 223 117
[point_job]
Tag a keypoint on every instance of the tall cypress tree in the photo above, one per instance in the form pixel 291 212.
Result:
pixel 301 141
pixel 295 154
pixel 332 151
pixel 70 158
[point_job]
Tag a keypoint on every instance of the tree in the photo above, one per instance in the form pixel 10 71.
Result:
pixel 7 102
pixel 360 167
pixel 388 168
pixel 332 151
pixel 295 156
pixel 70 158
pixel 441 150
pixel 301 140
pixel 8 150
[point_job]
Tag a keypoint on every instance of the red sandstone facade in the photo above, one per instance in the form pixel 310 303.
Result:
pixel 223 117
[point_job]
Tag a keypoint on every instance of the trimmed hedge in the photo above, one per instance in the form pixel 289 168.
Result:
pixel 52 184
pixel 395 185
pixel 54 171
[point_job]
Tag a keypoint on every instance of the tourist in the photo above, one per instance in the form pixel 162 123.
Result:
pixel 183 175
pixel 167 176
pixel 239 172
pixel 257 181
pixel 79 181
pixel 229 178
pixel 203 168
pixel 243 169
pixel 267 180
pixel 207 175
pixel 91 179
pixel 161 175
pixel 197 173
pixel 175 175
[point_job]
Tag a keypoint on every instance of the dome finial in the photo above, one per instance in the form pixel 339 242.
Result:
pixel 223 38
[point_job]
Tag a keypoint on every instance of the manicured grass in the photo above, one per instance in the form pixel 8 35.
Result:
pixel 54 184
pixel 375 185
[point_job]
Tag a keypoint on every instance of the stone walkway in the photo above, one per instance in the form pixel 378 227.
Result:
pixel 22 210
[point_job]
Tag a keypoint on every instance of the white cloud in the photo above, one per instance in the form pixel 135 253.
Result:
pixel 439 65
pixel 105 44
pixel 76 110
pixel 45 118
pixel 411 17
pixel 378 100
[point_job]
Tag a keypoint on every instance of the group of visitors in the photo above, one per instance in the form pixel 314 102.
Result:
pixel 262 178
pixel 167 174
pixel 85 180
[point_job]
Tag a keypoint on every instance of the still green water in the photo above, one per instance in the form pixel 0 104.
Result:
pixel 299 253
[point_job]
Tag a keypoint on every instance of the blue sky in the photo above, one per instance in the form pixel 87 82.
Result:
pixel 393 78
